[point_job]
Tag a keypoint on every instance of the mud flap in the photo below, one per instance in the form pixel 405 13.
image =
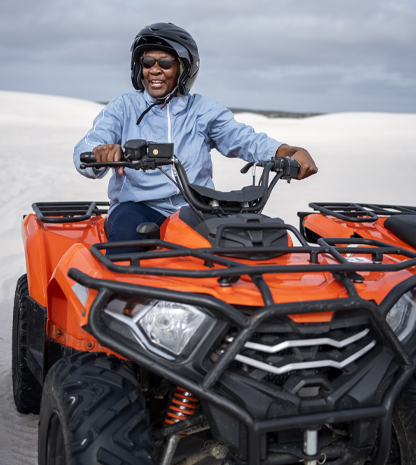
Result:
pixel 36 338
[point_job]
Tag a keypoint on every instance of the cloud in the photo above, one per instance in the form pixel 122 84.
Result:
pixel 298 56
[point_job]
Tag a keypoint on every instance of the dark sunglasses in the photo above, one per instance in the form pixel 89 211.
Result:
pixel 164 62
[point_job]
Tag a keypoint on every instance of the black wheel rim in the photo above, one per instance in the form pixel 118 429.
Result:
pixel 55 446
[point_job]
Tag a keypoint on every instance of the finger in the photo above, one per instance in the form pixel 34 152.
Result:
pixel 114 153
pixel 102 153
pixel 306 170
pixel 302 174
pixel 311 171
pixel 118 153
pixel 110 153
pixel 97 154
pixel 117 156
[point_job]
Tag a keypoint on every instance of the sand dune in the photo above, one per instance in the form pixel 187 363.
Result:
pixel 367 157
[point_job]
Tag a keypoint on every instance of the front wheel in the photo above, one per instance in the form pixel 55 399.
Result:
pixel 93 412
pixel 403 448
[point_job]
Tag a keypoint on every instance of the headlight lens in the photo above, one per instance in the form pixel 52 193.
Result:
pixel 402 316
pixel 171 326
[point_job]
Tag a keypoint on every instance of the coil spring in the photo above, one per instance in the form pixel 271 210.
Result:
pixel 182 406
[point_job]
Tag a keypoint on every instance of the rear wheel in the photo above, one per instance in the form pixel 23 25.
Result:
pixel 27 391
pixel 93 412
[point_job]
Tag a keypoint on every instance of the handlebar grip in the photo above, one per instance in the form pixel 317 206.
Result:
pixel 291 168
pixel 87 157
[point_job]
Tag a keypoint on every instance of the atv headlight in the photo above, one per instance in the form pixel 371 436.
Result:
pixel 171 326
pixel 402 316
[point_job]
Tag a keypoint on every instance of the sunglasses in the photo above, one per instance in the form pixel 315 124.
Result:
pixel 164 62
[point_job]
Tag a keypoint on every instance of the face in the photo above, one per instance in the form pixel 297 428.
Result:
pixel 159 82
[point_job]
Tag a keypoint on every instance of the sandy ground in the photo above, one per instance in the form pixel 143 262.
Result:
pixel 367 157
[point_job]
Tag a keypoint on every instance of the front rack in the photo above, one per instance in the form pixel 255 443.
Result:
pixel 359 212
pixel 228 269
pixel 68 212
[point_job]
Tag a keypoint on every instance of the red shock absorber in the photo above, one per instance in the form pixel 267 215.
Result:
pixel 182 406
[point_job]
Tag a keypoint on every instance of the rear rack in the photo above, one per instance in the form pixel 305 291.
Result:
pixel 68 212
pixel 358 212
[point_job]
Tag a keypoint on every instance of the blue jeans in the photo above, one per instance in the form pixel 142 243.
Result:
pixel 124 220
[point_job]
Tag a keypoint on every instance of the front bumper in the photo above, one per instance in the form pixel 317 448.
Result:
pixel 242 409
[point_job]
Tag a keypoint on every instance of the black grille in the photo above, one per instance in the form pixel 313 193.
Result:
pixel 308 358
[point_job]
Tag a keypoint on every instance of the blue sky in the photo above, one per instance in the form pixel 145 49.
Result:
pixel 288 55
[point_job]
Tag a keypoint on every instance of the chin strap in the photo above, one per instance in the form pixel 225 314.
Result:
pixel 162 102
pixel 146 111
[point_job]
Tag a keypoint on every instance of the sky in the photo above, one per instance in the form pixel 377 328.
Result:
pixel 282 55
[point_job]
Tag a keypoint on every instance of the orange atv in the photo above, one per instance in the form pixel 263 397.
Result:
pixel 219 340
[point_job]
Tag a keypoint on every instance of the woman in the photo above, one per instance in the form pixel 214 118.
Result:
pixel 164 65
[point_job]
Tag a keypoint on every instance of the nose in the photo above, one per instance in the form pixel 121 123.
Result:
pixel 155 69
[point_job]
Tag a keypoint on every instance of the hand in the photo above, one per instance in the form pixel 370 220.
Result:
pixel 109 152
pixel 302 156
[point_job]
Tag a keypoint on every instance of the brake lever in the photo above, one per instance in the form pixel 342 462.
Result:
pixel 88 161
pixel 110 164
pixel 146 163
pixel 246 167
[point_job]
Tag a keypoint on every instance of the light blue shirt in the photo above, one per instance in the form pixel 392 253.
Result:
pixel 194 124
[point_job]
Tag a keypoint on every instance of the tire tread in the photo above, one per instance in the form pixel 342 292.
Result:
pixel 102 410
pixel 27 390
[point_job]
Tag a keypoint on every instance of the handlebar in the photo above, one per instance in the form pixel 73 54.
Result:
pixel 139 154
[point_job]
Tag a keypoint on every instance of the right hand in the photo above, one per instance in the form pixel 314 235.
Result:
pixel 109 152
pixel 302 156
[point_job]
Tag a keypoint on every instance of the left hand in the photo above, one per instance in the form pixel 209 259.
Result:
pixel 302 156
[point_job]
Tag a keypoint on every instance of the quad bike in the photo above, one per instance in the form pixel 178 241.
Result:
pixel 225 336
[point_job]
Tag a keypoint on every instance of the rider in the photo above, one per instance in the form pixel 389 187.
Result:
pixel 164 65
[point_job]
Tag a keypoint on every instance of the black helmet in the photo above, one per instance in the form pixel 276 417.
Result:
pixel 171 39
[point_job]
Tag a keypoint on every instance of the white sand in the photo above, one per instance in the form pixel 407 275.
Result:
pixel 367 157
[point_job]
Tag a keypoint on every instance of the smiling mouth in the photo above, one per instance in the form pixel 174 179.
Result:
pixel 156 83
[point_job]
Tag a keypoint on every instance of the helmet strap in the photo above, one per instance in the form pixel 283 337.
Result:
pixel 165 100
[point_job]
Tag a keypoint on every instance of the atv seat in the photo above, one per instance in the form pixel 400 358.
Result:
pixel 404 227
pixel 246 194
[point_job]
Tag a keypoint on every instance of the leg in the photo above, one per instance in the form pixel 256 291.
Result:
pixel 123 222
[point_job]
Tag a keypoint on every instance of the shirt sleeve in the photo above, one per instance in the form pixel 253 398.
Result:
pixel 107 129
pixel 238 140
